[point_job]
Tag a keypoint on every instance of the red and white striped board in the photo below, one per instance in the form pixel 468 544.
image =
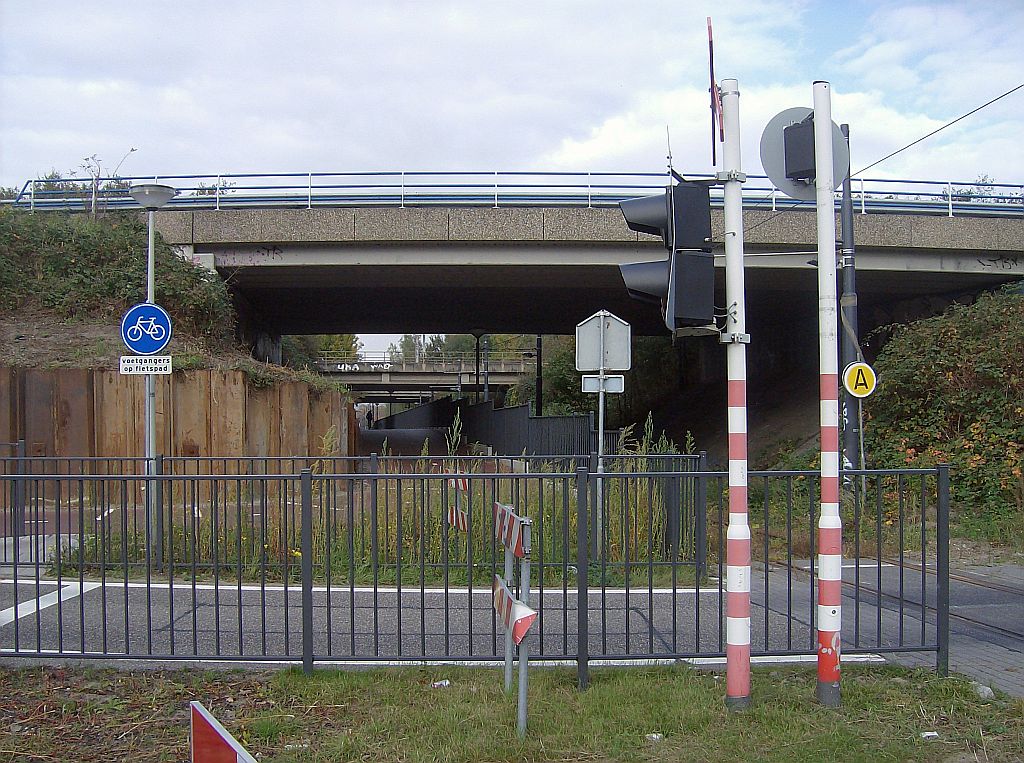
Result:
pixel 459 483
pixel 211 742
pixel 458 519
pixel 516 616
pixel 508 528
pixel 457 516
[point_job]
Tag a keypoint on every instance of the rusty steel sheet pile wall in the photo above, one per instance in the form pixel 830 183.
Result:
pixel 77 413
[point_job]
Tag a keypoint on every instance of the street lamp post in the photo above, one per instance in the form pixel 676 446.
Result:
pixel 151 196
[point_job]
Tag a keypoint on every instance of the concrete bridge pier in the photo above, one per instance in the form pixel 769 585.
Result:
pixel 267 347
pixel 262 341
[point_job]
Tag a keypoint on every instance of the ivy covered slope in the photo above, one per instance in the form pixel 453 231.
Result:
pixel 76 267
pixel 951 390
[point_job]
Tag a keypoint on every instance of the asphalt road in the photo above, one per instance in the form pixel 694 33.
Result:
pixel 232 622
pixel 265 622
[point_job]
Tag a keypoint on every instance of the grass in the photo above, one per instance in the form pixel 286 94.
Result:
pixel 59 713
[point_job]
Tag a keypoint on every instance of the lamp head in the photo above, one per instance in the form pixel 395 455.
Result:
pixel 152 195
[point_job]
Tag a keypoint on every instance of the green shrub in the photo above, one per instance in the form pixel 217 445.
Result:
pixel 951 390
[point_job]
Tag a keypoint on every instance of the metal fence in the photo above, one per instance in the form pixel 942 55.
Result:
pixel 352 560
pixel 510 431
pixel 514 430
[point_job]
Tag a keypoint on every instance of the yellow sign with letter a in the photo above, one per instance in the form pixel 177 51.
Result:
pixel 859 379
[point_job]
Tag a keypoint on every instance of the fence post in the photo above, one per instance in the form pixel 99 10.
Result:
pixel 700 510
pixel 158 500
pixel 582 565
pixel 593 509
pixel 19 492
pixel 307 571
pixel 673 511
pixel 942 572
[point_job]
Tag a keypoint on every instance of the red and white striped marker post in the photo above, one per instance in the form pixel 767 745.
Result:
pixel 211 742
pixel 509 531
pixel 830 528
pixel 514 533
pixel 734 336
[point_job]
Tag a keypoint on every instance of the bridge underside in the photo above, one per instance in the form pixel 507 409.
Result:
pixel 545 299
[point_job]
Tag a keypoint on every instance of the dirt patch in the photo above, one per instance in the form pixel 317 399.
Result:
pixel 37 340
pixel 977 553
pixel 59 713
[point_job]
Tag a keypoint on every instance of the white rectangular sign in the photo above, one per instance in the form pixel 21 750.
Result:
pixel 145 364
pixel 613 383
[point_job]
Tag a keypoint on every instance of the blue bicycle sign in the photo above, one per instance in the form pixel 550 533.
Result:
pixel 146 329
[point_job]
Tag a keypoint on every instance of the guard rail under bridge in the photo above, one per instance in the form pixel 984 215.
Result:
pixel 394 375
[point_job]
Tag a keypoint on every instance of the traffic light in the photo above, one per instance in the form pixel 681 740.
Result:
pixel 684 284
pixel 681 216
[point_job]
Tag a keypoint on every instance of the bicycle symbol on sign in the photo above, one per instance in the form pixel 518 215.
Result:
pixel 147 326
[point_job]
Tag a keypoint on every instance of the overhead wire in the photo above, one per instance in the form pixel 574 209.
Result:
pixel 934 132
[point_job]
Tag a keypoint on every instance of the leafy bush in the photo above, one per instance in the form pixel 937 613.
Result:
pixel 951 390
pixel 80 267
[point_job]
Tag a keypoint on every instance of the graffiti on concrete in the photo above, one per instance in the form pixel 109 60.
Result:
pixel 1001 262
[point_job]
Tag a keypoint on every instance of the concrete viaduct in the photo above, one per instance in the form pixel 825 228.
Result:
pixel 542 269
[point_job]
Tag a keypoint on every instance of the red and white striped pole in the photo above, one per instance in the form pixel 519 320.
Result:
pixel 830 528
pixel 734 336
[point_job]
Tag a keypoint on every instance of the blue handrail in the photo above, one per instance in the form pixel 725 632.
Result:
pixel 506 188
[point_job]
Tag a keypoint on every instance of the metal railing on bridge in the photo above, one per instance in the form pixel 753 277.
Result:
pixel 493 188
pixel 495 362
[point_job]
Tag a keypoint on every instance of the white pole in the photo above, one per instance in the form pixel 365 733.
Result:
pixel 736 338
pixel 602 378
pixel 830 533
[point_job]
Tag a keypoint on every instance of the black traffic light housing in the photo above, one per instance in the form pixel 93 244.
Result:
pixel 684 284
pixel 798 148
pixel 681 216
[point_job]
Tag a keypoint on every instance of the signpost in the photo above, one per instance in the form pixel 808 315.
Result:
pixel 513 531
pixel 804 154
pixel 146 330
pixel 602 345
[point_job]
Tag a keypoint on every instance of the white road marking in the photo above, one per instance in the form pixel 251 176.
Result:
pixel 70 591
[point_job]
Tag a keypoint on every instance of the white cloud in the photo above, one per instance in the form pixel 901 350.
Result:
pixel 585 85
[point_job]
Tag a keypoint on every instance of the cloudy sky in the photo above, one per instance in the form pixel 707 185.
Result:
pixel 199 87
